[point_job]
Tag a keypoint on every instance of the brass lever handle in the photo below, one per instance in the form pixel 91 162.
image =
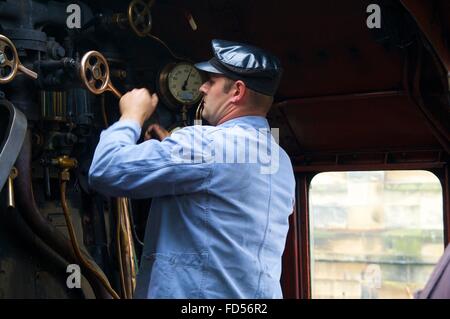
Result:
pixel 94 72
pixel 10 63
pixel 28 72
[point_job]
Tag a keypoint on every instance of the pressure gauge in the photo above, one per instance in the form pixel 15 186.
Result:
pixel 179 84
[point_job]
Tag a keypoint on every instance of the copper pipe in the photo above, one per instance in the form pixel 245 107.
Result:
pixel 124 247
pixel 128 249
pixel 124 241
pixel 133 265
pixel 118 248
pixel 125 251
pixel 41 226
pixel 177 57
pixel 86 263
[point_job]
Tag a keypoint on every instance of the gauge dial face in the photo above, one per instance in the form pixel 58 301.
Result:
pixel 183 82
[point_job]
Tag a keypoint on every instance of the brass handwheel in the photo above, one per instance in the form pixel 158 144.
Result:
pixel 139 17
pixel 10 63
pixel 94 72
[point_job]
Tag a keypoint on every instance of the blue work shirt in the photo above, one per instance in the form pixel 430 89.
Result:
pixel 222 196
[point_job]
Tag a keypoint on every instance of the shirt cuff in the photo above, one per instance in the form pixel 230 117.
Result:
pixel 130 124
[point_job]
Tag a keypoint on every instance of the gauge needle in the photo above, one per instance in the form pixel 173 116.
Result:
pixel 186 82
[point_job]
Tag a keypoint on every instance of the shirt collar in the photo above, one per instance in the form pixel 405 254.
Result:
pixel 254 121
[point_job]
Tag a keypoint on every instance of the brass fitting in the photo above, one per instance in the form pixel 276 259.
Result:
pixel 10 192
pixel 64 175
pixel 64 162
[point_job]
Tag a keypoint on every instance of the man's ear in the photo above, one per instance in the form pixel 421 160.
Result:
pixel 239 92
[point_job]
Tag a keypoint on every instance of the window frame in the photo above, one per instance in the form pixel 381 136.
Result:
pixel 296 278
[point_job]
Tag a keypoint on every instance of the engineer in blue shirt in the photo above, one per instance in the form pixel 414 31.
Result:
pixel 222 193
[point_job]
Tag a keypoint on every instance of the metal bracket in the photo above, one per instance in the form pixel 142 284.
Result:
pixel 12 144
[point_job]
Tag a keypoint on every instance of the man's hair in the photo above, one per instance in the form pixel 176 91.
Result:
pixel 228 85
pixel 256 99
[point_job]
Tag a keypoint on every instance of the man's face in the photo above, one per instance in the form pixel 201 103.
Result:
pixel 216 101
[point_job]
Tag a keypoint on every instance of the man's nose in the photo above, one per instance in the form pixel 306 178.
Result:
pixel 203 88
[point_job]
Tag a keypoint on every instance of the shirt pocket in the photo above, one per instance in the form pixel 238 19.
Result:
pixel 174 275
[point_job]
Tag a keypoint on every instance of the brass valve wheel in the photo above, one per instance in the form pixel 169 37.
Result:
pixel 10 63
pixel 94 72
pixel 139 17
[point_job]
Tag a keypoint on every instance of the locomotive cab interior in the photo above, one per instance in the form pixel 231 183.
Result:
pixel 354 97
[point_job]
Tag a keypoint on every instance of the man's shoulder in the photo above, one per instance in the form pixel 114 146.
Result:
pixel 196 134
pixel 197 129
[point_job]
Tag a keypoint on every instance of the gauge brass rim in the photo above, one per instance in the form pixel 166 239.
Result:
pixel 94 72
pixel 139 17
pixel 164 90
pixel 12 62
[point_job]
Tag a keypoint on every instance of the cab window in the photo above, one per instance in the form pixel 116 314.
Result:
pixel 374 234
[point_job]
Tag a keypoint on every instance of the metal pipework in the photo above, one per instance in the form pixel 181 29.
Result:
pixel 10 192
pixel 9 60
pixel 53 105
pixel 22 232
pixel 138 17
pixel 65 163
pixel 124 241
pixel 125 249
pixel 41 226
pixel 64 63
pixel 17 128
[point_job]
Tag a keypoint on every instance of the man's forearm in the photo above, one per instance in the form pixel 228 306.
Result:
pixel 105 167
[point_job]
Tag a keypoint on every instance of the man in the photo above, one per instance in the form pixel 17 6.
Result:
pixel 438 285
pixel 219 218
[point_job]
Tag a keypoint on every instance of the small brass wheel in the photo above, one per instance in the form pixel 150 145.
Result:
pixel 139 17
pixel 9 62
pixel 94 73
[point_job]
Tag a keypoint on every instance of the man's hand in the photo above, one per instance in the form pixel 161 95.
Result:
pixel 138 105
pixel 156 131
